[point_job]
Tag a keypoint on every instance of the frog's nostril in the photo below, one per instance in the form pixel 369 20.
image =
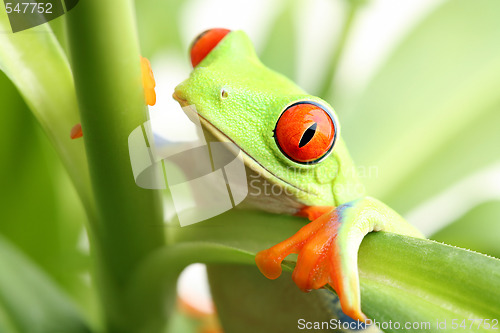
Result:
pixel 205 42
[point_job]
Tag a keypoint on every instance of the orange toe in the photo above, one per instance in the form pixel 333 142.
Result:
pixel 269 264
pixel 313 269
pixel 148 81
pixel 269 261
pixel 313 243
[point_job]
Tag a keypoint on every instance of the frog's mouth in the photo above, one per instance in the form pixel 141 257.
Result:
pixel 221 136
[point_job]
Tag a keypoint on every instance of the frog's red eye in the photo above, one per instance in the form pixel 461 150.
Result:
pixel 305 132
pixel 205 42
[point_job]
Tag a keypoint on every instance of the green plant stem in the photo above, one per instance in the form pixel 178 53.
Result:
pixel 338 50
pixel 153 288
pixel 128 227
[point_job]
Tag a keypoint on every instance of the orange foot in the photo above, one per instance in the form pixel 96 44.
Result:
pixel 148 81
pixel 319 260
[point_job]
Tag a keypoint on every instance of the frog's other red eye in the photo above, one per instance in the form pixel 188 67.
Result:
pixel 205 42
pixel 305 132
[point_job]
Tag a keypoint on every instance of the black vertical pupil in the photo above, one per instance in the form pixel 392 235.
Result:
pixel 308 135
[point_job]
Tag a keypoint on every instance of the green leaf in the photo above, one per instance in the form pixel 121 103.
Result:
pixel 280 50
pixel 152 287
pixel 430 116
pixel 29 301
pixel 239 229
pixel 328 80
pixel 478 229
pixel 154 38
pixel 182 322
pixel 426 282
pixel 49 231
pixel 35 62
pixel 248 302
pixel 59 31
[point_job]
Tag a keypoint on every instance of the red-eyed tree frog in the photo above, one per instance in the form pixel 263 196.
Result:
pixel 292 141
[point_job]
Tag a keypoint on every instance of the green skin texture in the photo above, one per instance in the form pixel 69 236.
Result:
pixel 256 97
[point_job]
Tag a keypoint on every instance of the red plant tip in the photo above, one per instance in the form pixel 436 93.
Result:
pixel 76 132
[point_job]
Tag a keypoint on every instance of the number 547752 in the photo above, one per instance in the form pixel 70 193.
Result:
pixel 29 7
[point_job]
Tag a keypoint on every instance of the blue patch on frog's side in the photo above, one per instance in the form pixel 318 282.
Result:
pixel 341 209
pixel 333 304
pixel 345 318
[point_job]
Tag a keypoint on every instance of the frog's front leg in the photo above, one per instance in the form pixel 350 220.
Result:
pixel 328 247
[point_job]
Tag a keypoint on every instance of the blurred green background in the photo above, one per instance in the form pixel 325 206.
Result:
pixel 415 85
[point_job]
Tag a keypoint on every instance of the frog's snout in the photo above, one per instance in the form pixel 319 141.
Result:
pixel 180 98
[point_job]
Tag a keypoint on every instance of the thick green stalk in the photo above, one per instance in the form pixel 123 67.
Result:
pixel 105 61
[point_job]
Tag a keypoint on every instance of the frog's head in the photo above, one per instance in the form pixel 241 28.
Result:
pixel 285 134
